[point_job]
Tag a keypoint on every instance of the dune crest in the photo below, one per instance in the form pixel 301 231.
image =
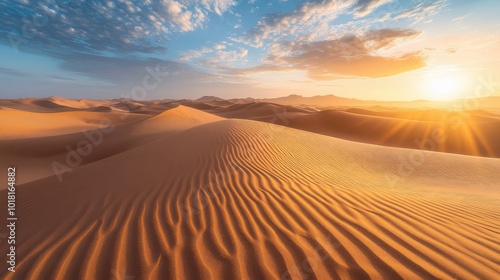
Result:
pixel 175 119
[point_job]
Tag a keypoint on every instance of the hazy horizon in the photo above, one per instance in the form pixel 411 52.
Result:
pixel 262 98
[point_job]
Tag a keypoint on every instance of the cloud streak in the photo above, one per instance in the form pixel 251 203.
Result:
pixel 365 7
pixel 11 72
pixel 347 56
pixel 422 11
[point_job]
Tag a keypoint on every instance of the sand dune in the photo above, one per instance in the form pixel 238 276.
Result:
pixel 327 101
pixel 52 104
pixel 56 101
pixel 63 132
pixel 384 123
pixel 178 118
pixel 457 135
pixel 460 132
pixel 257 110
pixel 240 199
pixel 34 140
pixel 24 124
pixel 429 115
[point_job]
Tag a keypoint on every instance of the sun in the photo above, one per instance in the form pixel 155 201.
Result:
pixel 443 86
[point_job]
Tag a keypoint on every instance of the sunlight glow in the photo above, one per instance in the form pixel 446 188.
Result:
pixel 445 86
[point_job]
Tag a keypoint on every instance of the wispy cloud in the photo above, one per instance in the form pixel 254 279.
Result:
pixel 218 6
pixel 215 56
pixel 224 58
pixel 306 16
pixel 12 72
pixel 365 7
pixel 60 79
pixel 424 10
pixel 460 18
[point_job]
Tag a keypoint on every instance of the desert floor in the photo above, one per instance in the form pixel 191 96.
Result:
pixel 250 190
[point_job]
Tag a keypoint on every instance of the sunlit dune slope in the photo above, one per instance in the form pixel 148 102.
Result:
pixel 430 115
pixel 238 199
pixel 461 132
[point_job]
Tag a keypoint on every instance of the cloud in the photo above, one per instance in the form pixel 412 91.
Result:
pixel 266 67
pixel 215 56
pixel 116 70
pixel 315 18
pixel 353 55
pixel 305 17
pixel 123 74
pixel 365 66
pixel 194 54
pixel 219 46
pixel 179 16
pixel 460 18
pixel 224 58
pixel 62 80
pixel 218 6
pixel 123 26
pixel 12 72
pixel 423 10
pixel 365 7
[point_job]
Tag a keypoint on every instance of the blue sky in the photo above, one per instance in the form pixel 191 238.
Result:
pixel 368 49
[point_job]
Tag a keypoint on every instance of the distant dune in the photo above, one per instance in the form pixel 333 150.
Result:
pixel 257 110
pixel 209 99
pixel 186 194
pixel 324 101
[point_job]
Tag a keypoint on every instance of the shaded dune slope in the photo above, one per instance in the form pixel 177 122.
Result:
pixel 16 124
pixel 236 199
pixel 35 155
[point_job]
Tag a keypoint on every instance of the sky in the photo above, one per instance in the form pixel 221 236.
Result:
pixel 176 49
